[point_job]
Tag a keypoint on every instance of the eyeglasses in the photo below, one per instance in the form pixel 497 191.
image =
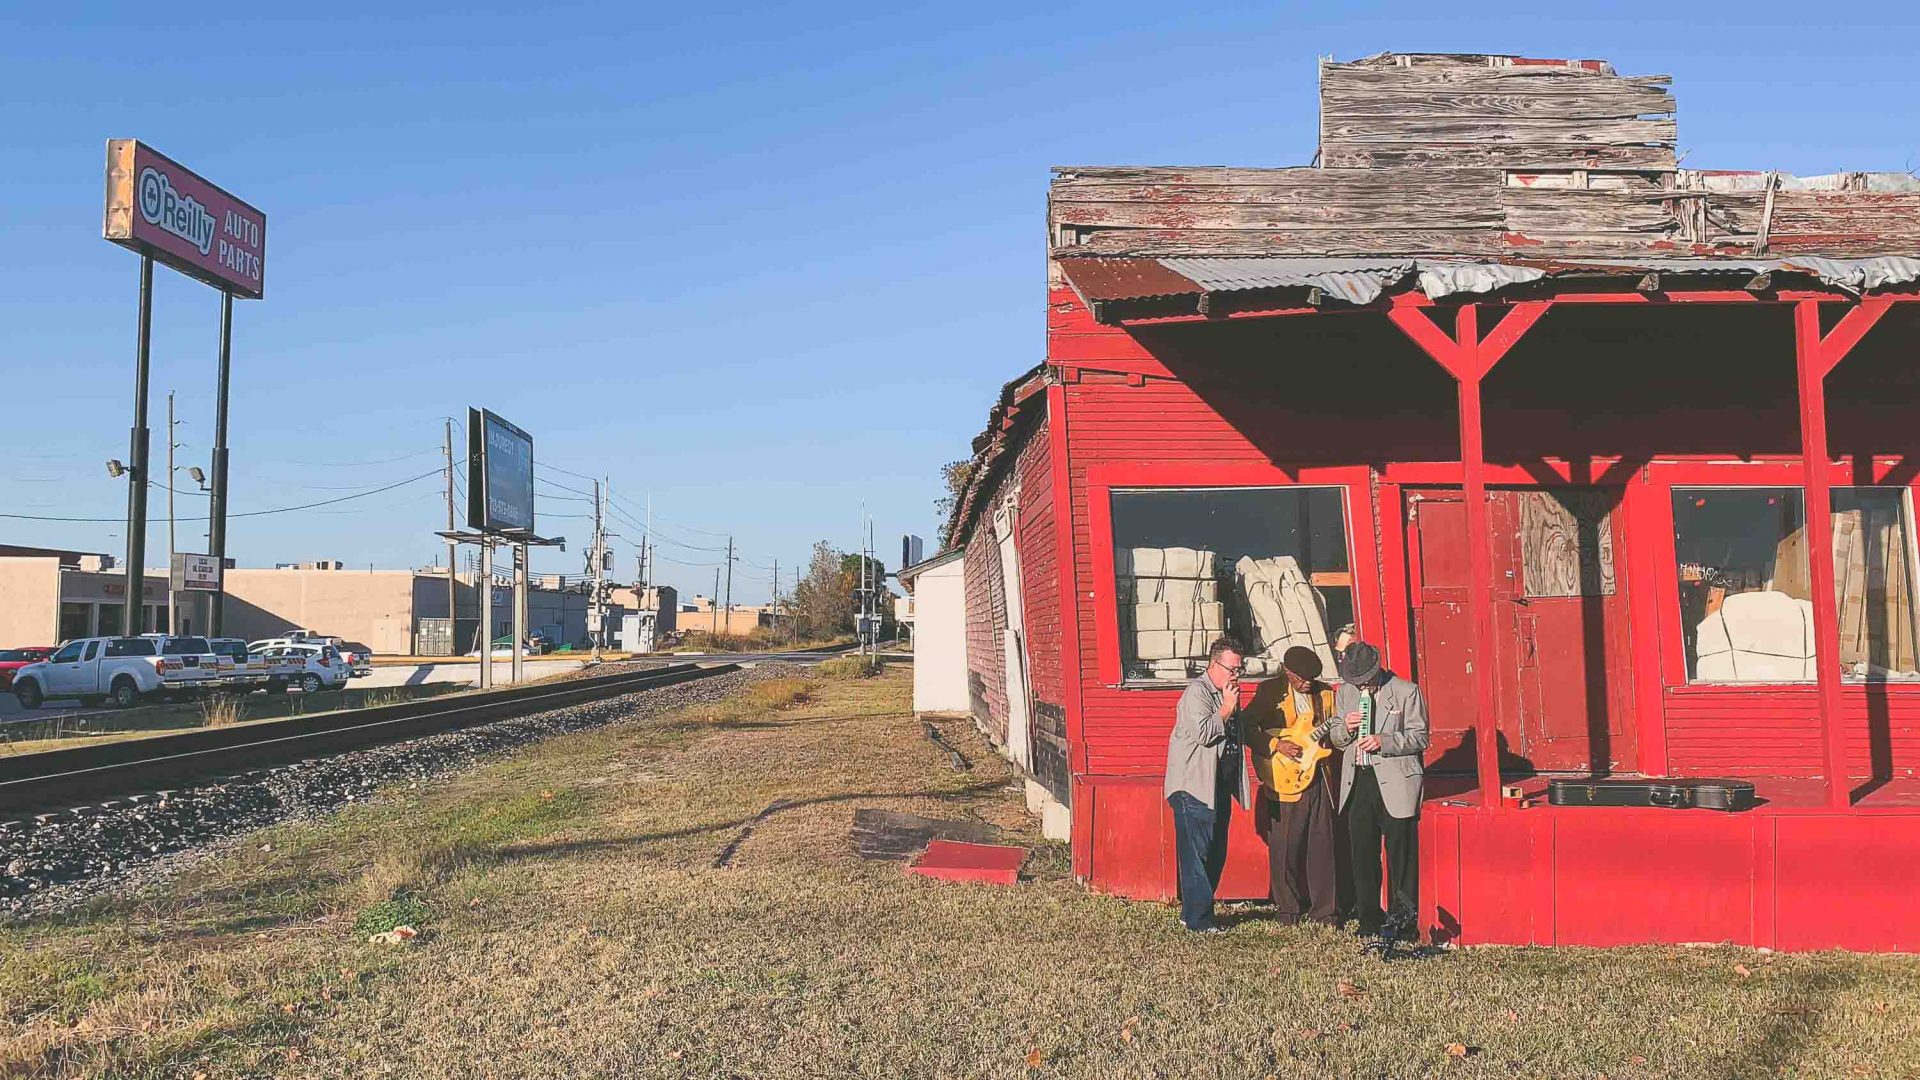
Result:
pixel 1237 669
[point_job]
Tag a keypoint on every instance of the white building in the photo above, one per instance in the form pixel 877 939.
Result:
pixel 938 588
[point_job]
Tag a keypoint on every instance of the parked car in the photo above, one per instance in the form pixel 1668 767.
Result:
pixel 359 658
pixel 120 670
pixel 503 649
pixel 241 668
pixel 310 667
pixel 12 660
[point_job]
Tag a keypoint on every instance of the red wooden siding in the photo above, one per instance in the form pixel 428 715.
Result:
pixel 1546 876
pixel 1775 731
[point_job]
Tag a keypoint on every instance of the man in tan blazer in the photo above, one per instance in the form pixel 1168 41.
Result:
pixel 1380 781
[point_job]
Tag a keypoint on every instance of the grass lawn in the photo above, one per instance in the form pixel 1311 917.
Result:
pixel 574 924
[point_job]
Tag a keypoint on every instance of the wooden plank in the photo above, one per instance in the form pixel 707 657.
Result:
pixel 1469 155
pixel 1596 100
pixel 1175 242
pixel 1526 130
pixel 1438 77
pixel 1304 216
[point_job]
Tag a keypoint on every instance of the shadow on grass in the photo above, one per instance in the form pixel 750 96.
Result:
pixel 778 807
pixel 1773 1043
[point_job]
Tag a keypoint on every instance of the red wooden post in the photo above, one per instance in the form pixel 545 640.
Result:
pixel 1473 483
pixel 1814 357
pixel 1468 358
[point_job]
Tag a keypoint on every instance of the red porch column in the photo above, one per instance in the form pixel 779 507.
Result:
pixel 1815 356
pixel 1468 357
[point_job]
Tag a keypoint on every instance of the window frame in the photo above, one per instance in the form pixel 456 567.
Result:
pixel 1354 483
pixel 1661 480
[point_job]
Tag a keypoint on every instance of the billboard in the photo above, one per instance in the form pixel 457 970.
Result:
pixel 158 207
pixel 499 474
pixel 195 573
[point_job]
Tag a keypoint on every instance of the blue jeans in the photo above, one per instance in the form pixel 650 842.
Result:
pixel 1200 842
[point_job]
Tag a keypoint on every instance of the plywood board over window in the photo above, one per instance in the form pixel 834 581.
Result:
pixel 1566 541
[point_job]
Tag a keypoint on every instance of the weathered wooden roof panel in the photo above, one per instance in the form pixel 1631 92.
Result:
pixel 1477 156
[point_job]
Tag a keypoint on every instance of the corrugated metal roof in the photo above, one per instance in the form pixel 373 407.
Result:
pixel 1447 277
pixel 1362 281
pixel 1357 281
pixel 1126 279
pixel 1858 275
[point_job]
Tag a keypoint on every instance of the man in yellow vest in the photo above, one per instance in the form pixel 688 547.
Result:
pixel 1295 813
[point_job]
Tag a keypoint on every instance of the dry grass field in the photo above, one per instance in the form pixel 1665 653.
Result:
pixel 574 923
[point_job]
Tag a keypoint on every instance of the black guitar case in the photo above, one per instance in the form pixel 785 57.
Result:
pixel 1677 794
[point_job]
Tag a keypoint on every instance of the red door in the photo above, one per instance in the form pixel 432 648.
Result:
pixel 1562 663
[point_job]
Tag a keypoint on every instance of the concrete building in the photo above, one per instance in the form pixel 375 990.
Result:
pixel 698 615
pixel 46 599
pixel 48 596
pixel 937 590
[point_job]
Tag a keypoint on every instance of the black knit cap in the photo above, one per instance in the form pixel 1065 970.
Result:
pixel 1302 661
pixel 1360 664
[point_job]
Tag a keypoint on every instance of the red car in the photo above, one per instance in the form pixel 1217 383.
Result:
pixel 12 660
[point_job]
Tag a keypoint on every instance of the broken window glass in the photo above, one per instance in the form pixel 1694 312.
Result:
pixel 1266 565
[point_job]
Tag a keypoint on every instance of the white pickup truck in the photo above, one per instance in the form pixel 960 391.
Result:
pixel 120 670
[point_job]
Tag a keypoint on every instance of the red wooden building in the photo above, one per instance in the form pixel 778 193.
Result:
pixel 1615 459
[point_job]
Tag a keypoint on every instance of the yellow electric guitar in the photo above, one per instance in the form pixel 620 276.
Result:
pixel 1291 776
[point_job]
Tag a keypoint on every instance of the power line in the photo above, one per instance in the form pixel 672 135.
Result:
pixel 247 514
pixel 435 452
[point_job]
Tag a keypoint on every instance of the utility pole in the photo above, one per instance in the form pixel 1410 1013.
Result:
pixel 776 595
pixel 596 556
pixel 729 584
pixel 714 601
pixel 453 610
pixel 859 621
pixel 173 615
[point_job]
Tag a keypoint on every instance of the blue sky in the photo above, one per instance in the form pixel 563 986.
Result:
pixel 760 263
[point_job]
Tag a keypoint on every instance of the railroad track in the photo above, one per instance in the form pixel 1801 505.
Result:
pixel 51 779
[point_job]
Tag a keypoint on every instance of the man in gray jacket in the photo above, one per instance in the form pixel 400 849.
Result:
pixel 1205 773
pixel 1380 719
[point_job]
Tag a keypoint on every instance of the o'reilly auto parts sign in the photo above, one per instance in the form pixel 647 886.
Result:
pixel 159 207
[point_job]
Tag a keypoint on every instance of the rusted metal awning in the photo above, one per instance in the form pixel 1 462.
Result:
pixel 1361 281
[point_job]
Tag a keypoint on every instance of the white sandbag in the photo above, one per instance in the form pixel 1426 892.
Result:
pixel 1154 645
pixel 1171 669
pixel 1756 637
pixel 1183 562
pixel 1149 562
pixel 1150 590
pixel 1151 617
pixel 1180 592
pixel 1199 616
pixel 1193 643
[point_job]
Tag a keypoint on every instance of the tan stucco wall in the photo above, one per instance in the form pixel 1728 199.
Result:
pixel 29 601
pixel 373 608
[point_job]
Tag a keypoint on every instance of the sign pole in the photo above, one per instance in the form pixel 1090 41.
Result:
pixel 486 612
pixel 137 457
pixel 519 610
pixel 217 503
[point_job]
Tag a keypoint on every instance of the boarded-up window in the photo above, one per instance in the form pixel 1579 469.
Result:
pixel 1566 543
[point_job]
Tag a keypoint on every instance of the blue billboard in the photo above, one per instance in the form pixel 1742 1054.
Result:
pixel 499 474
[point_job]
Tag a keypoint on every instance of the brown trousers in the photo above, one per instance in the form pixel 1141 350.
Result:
pixel 1300 853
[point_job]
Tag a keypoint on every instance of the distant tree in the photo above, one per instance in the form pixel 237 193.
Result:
pixel 956 475
pixel 876 579
pixel 823 602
